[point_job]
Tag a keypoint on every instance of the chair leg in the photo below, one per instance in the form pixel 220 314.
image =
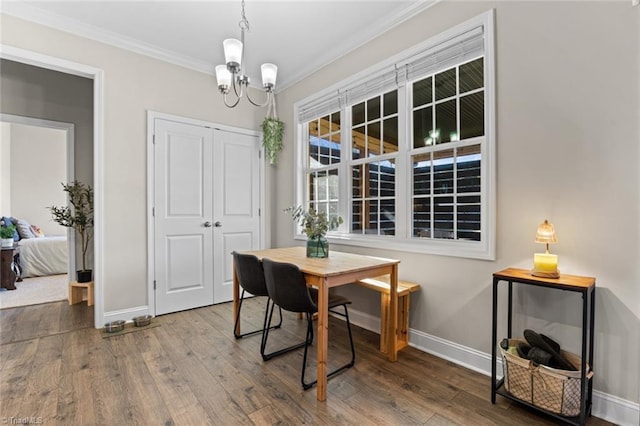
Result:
pixel 265 337
pixel 350 364
pixel 235 325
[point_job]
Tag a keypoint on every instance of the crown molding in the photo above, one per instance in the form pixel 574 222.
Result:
pixel 34 14
pixel 72 26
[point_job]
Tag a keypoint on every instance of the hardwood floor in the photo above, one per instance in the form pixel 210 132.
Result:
pixel 56 369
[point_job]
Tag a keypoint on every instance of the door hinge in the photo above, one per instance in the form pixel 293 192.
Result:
pixel 154 139
pixel 154 284
pixel 259 212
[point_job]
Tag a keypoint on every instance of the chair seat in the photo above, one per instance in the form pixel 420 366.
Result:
pixel 334 299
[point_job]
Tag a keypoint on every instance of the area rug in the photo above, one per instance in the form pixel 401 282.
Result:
pixel 32 291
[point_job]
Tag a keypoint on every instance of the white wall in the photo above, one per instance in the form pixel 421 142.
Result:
pixel 567 143
pixel 38 167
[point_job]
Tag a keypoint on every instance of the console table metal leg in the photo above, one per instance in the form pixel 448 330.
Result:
pixel 591 342
pixel 510 313
pixel 494 338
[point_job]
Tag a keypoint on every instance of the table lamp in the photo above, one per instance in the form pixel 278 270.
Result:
pixel 545 264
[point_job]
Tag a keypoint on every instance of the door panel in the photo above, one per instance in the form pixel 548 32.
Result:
pixel 236 204
pixel 234 242
pixel 183 246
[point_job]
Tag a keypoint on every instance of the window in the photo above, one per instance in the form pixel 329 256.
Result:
pixel 374 137
pixel 406 155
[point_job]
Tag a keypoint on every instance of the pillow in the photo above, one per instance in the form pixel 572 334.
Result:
pixel 24 229
pixel 37 232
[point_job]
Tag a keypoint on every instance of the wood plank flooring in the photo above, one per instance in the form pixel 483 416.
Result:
pixel 57 369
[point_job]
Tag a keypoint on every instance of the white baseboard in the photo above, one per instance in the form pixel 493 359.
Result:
pixel 605 406
pixel 125 314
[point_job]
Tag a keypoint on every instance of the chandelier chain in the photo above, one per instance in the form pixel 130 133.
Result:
pixel 244 23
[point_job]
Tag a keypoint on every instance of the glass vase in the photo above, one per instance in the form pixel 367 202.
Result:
pixel 317 247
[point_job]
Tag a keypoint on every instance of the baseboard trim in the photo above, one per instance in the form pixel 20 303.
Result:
pixel 125 314
pixel 605 406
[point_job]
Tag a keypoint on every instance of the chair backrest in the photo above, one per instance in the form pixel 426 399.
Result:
pixel 287 287
pixel 250 273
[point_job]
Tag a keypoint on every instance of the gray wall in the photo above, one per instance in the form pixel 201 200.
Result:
pixel 36 92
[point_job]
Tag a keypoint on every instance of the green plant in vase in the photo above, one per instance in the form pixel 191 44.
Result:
pixel 315 226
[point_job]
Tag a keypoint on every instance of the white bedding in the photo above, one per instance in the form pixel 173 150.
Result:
pixel 43 256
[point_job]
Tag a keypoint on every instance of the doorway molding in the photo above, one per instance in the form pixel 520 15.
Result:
pixel 97 75
pixel 69 129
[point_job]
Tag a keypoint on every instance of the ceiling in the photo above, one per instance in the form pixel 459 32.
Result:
pixel 298 36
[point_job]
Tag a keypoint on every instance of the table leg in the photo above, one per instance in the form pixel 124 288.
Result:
pixel 236 298
pixel 323 339
pixel 392 319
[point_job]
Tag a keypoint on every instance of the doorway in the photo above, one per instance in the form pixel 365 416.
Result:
pixel 46 62
pixel 206 201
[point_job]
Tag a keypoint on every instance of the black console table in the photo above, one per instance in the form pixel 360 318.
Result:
pixel 586 286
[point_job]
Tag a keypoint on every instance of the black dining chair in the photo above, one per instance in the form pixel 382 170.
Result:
pixel 288 290
pixel 251 279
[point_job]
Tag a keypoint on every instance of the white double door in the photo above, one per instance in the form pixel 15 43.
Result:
pixel 206 205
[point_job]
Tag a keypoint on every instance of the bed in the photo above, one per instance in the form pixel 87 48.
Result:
pixel 44 256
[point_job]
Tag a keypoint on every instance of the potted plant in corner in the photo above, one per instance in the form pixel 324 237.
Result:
pixel 79 216
pixel 315 226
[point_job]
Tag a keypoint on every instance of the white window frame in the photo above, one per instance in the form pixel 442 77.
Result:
pixel 341 97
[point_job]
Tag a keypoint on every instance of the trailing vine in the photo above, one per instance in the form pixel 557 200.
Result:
pixel 272 133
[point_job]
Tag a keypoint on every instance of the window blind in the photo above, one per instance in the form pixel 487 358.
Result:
pixel 458 49
pixel 323 106
pixel 440 56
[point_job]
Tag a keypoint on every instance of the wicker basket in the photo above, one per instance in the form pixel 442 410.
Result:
pixel 557 391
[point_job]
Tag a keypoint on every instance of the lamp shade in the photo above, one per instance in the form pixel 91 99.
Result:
pixel 269 73
pixel 232 51
pixel 546 234
pixel 223 76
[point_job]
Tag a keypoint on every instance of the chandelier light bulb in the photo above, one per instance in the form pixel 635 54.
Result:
pixel 223 76
pixel 269 73
pixel 232 53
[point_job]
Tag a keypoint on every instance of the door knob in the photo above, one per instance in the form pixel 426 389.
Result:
pixel 207 224
pixel 218 224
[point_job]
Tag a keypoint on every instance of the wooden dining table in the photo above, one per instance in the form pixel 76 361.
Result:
pixel 324 273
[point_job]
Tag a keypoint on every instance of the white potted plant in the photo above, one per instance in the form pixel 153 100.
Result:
pixel 78 216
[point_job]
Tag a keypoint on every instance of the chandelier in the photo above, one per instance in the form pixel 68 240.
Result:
pixel 232 73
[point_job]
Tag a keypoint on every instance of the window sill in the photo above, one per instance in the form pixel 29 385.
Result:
pixel 464 249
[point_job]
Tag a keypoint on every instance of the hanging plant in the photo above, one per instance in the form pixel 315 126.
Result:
pixel 272 135
pixel 272 132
